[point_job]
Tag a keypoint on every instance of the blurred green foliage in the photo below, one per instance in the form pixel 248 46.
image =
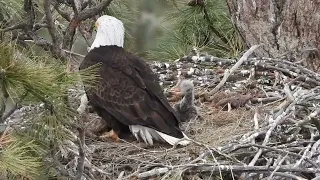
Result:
pixel 177 28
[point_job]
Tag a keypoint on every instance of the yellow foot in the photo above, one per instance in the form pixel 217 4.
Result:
pixel 111 134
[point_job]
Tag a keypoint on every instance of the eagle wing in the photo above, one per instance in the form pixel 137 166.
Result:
pixel 130 91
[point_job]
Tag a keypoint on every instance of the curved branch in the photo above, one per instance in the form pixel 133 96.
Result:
pixel 90 12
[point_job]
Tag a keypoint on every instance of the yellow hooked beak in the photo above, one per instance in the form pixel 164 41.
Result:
pixel 96 24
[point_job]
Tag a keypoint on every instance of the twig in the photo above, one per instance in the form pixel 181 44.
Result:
pixel 213 29
pixel 314 120
pixel 5 96
pixel 287 91
pixel 285 152
pixel 314 149
pixel 278 120
pixel 229 72
pixel 256 121
pixel 305 153
pixel 286 175
pixel 81 142
pixel 277 167
pixel 153 172
pixel 73 53
pixel 76 20
pixel 76 6
pixel 215 150
pixel 16 106
pixel 209 167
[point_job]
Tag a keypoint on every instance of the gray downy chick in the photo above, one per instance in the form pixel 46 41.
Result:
pixel 186 108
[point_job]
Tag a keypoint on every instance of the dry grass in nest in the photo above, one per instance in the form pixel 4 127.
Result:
pixel 216 127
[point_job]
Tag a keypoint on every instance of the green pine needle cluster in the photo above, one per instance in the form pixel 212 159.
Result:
pixel 10 9
pixel 127 12
pixel 20 158
pixel 208 29
pixel 42 77
pixel 36 80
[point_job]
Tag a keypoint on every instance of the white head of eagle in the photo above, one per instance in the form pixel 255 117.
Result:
pixel 110 31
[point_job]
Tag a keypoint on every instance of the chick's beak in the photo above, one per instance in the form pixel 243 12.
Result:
pixel 176 91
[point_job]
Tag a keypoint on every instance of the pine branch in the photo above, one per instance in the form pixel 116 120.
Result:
pixel 5 95
pixel 213 29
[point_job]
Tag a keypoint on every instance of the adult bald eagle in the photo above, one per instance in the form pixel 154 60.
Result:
pixel 128 95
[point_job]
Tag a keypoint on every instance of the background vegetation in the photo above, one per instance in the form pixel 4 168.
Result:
pixel 172 29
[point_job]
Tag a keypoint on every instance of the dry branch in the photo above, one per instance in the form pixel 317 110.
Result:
pixel 78 12
pixel 229 72
pixel 213 168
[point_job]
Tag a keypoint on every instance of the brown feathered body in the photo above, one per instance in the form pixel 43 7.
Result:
pixel 128 92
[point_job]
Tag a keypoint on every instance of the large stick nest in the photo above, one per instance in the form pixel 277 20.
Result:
pixel 261 123
pixel 271 129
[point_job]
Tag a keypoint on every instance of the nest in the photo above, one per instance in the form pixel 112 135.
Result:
pixel 266 128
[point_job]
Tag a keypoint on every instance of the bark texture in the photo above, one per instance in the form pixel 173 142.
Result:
pixel 289 28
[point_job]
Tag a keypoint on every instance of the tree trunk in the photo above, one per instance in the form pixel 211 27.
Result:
pixel 287 28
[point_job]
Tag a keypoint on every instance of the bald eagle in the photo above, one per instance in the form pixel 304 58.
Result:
pixel 128 95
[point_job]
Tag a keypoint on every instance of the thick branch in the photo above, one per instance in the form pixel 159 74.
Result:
pixel 29 9
pixel 192 168
pixel 64 14
pixel 90 12
pixel 51 26
pixel 83 15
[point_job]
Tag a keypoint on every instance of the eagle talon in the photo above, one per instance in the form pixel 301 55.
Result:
pixel 110 135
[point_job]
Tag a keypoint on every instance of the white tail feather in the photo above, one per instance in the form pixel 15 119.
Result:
pixel 135 131
pixel 148 134
pixel 83 104
pixel 173 140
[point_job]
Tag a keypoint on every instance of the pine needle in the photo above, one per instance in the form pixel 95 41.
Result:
pixel 20 158
pixel 187 28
